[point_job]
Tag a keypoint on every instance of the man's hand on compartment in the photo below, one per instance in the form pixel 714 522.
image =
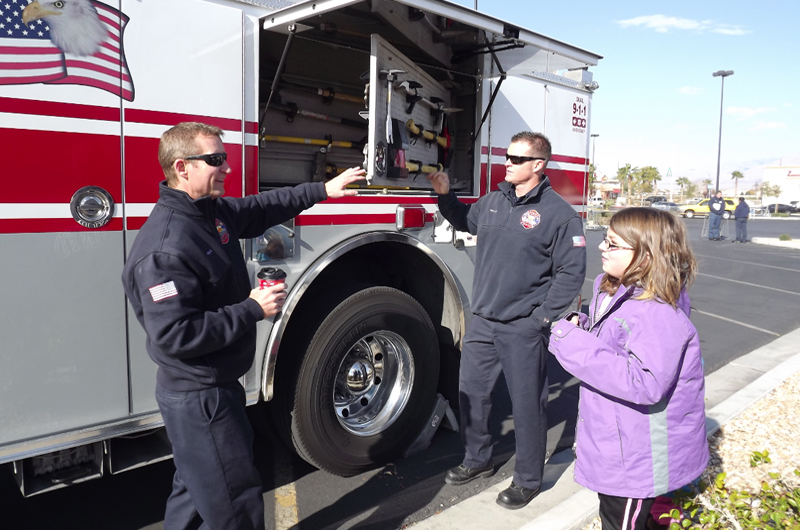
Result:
pixel 440 182
pixel 337 186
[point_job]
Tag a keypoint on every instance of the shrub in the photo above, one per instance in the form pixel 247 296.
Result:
pixel 713 506
pixel 785 237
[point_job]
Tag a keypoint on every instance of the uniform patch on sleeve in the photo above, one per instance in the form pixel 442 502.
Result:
pixel 163 290
pixel 578 241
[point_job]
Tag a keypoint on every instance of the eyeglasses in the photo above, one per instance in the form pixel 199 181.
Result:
pixel 517 160
pixel 610 247
pixel 213 159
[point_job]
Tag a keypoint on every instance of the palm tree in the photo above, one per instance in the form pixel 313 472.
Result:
pixel 682 182
pixel 707 182
pixel 624 175
pixel 736 175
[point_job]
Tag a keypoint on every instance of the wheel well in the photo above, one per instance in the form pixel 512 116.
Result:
pixel 382 263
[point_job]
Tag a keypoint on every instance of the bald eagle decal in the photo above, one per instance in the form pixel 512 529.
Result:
pixel 76 42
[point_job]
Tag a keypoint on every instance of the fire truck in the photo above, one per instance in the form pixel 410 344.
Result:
pixel 379 283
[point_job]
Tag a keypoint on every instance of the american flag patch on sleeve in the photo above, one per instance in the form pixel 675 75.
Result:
pixel 163 290
pixel 578 241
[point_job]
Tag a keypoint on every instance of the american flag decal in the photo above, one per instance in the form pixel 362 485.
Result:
pixel 578 241
pixel 29 53
pixel 163 290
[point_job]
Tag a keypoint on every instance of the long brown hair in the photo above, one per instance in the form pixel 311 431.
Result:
pixel 662 263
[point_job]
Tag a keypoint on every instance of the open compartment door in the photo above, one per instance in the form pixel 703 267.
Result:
pixel 407 108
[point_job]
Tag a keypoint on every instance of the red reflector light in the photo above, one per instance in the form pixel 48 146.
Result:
pixel 410 216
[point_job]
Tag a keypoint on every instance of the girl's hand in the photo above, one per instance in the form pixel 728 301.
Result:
pixel 575 320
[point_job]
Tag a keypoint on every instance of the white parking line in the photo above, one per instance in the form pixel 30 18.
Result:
pixel 748 263
pixel 748 283
pixel 736 322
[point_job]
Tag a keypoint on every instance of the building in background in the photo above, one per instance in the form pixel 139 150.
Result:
pixel 787 178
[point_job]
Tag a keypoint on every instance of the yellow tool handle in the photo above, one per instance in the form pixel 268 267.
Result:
pixel 306 141
pixel 417 167
pixel 428 135
pixel 337 95
pixel 412 127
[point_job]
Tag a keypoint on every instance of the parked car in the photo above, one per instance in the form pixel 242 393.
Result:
pixel 781 208
pixel 655 198
pixel 691 210
pixel 665 205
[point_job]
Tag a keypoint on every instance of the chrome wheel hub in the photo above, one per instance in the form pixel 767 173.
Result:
pixel 373 383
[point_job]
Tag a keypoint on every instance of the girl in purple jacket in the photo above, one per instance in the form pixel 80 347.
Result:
pixel 641 422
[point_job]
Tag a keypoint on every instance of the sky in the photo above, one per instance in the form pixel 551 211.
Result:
pixel 658 103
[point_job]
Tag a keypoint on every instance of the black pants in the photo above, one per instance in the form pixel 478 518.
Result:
pixel 518 349
pixel 620 513
pixel 216 485
pixel 741 229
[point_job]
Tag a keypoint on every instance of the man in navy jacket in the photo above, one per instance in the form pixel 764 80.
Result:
pixel 741 214
pixel 530 265
pixel 189 287
pixel 716 207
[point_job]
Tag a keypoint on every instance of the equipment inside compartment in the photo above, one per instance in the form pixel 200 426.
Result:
pixel 378 84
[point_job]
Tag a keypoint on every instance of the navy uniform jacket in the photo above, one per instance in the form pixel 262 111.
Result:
pixel 188 284
pixel 531 252
pixel 717 205
pixel 742 210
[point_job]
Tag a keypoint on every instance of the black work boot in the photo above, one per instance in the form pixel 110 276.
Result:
pixel 463 474
pixel 515 497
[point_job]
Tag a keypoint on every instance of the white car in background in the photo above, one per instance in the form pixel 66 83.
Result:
pixel 665 205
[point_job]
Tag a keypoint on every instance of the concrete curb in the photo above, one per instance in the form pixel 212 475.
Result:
pixel 775 242
pixel 564 505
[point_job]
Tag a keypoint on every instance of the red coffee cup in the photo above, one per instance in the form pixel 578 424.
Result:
pixel 269 276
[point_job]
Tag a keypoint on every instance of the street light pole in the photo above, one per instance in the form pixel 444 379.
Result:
pixel 593 152
pixel 723 74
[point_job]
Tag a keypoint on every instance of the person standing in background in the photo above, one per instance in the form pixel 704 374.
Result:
pixel 716 207
pixel 741 215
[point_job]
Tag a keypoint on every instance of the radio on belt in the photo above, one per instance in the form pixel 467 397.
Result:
pixel 269 276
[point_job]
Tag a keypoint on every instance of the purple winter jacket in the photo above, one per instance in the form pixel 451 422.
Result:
pixel 641 420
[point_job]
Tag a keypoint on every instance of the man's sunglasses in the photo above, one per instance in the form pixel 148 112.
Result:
pixel 517 160
pixel 213 159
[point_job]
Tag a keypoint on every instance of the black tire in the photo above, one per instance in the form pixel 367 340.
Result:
pixel 385 342
pixel 726 214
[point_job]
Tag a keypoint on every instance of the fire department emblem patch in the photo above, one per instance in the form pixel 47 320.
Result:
pixel 530 219
pixel 223 232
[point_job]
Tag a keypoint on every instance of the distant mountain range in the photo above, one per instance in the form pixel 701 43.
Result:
pixel 753 171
